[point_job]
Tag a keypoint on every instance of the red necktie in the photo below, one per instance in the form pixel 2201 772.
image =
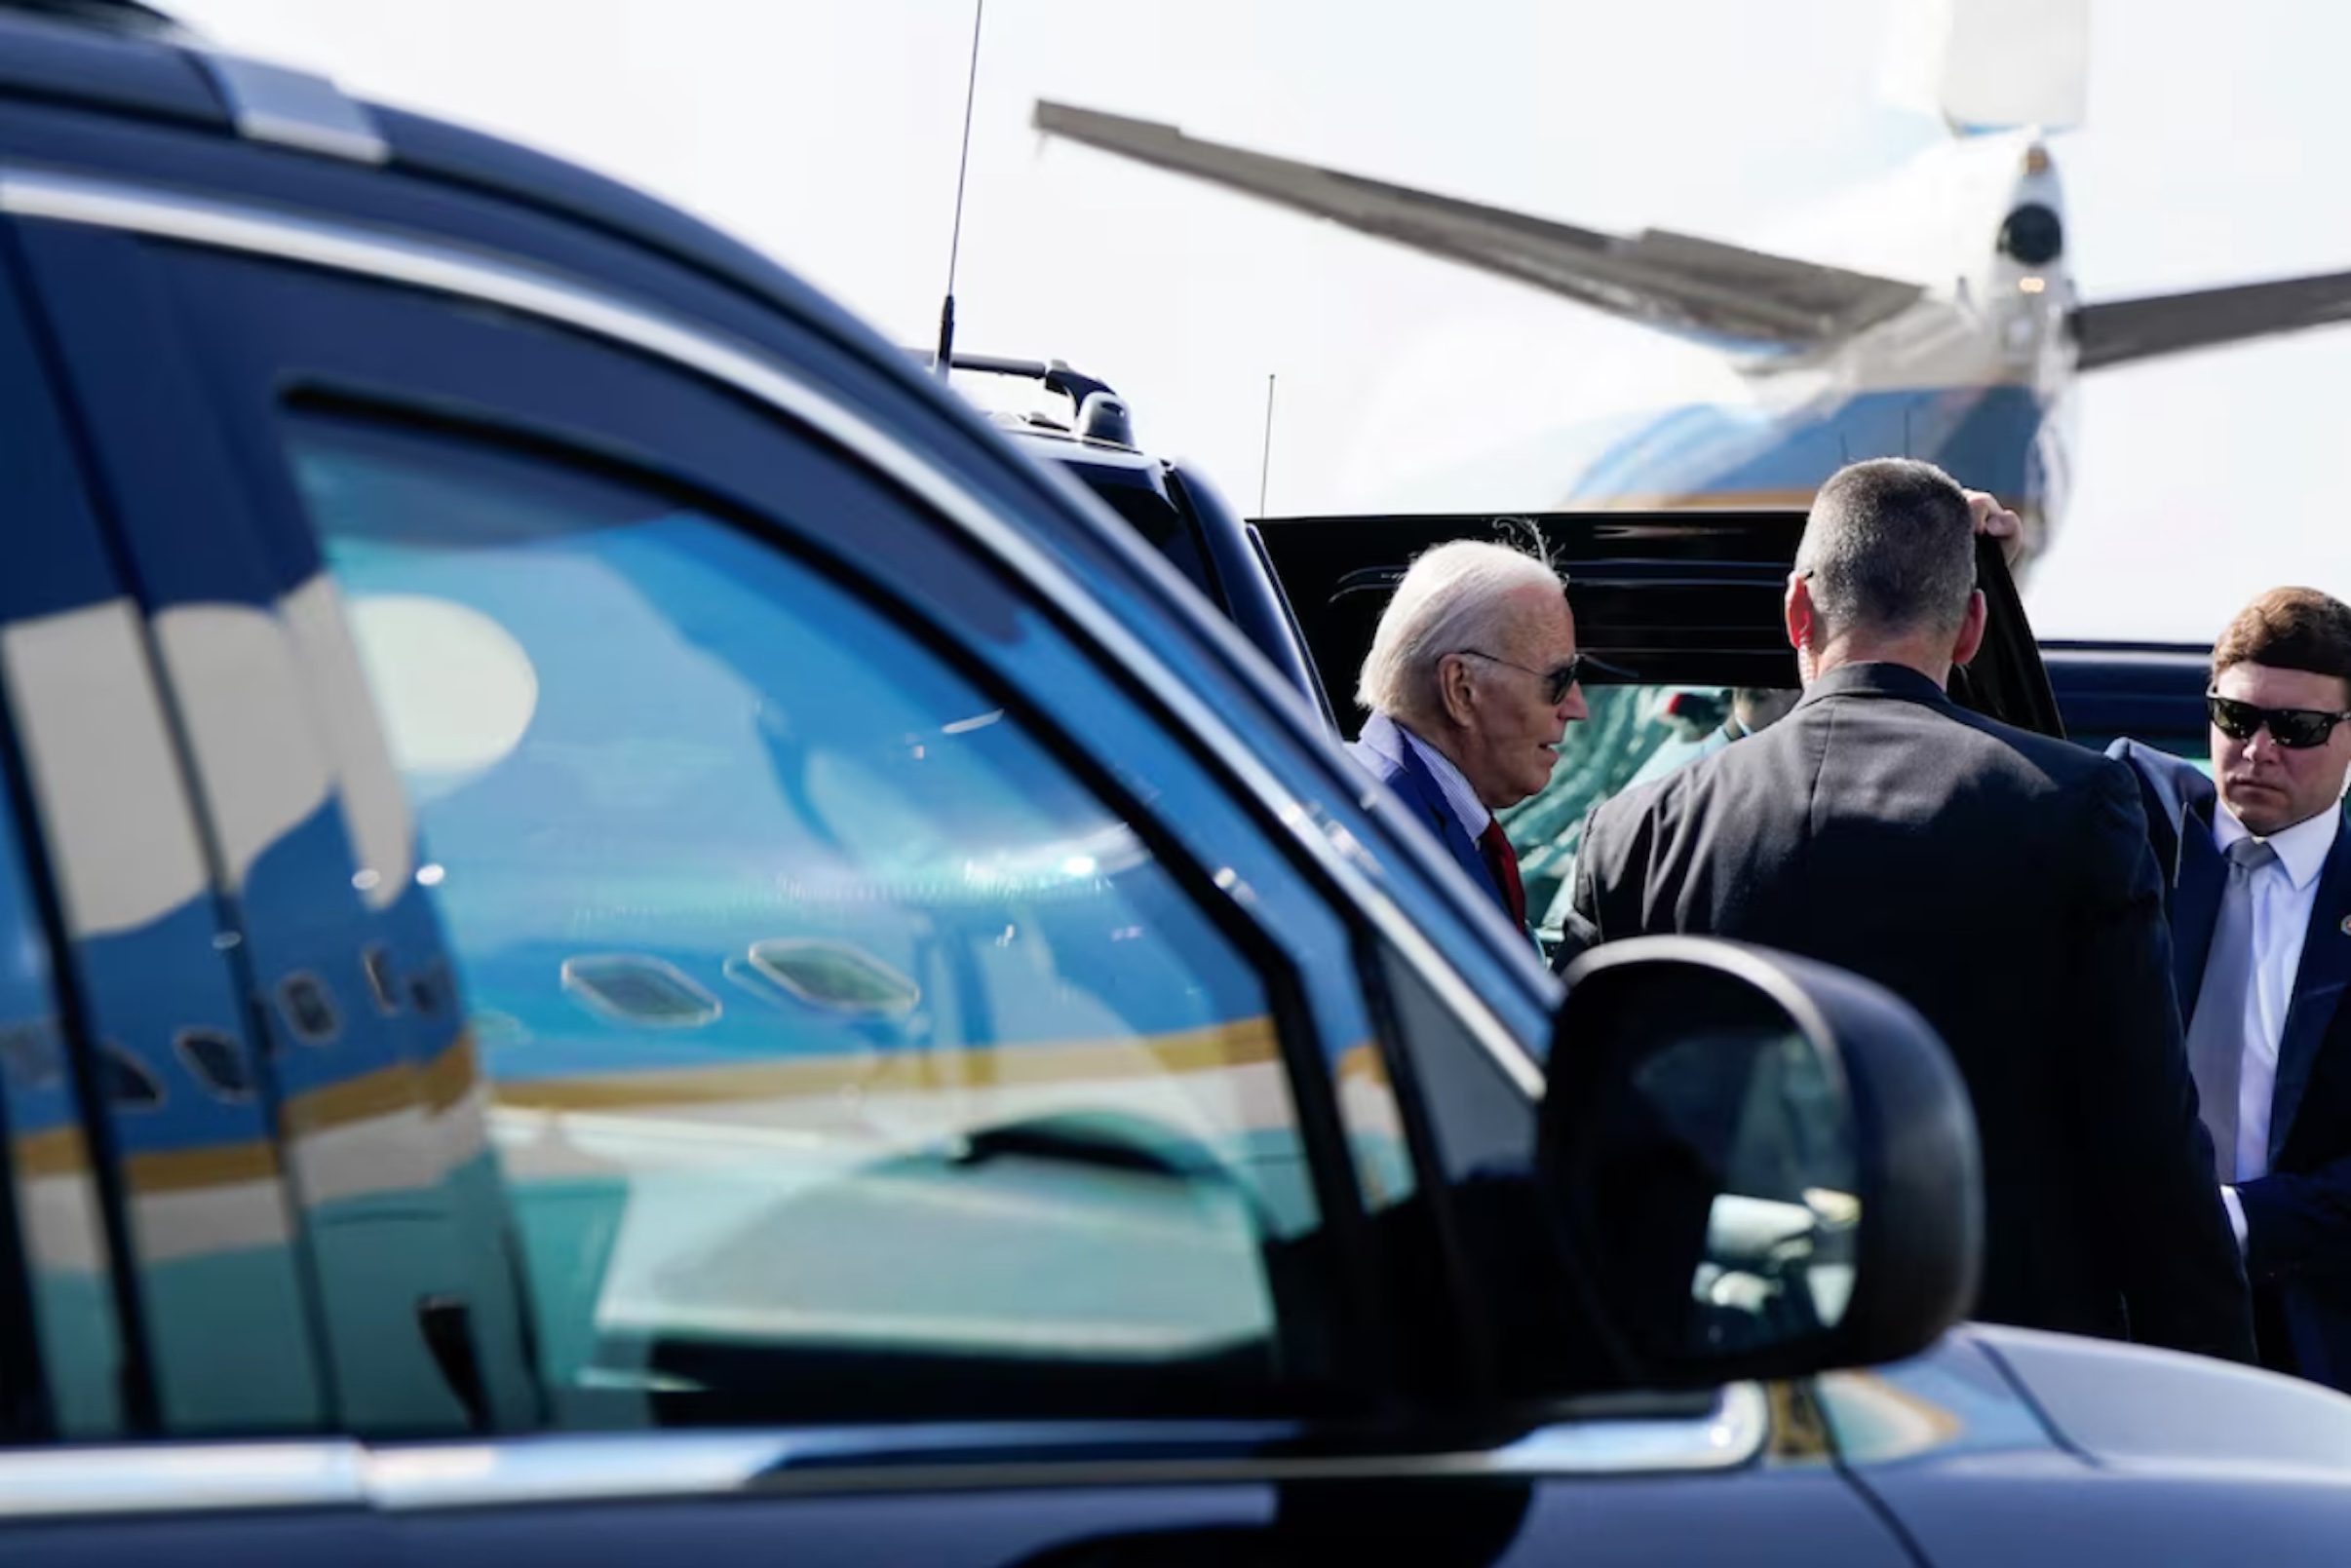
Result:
pixel 1503 862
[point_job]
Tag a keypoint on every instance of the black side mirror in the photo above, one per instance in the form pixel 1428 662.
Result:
pixel 1768 1165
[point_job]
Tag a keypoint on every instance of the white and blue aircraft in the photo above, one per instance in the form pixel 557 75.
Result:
pixel 1934 313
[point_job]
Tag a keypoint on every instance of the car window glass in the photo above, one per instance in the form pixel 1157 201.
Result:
pixel 849 1056
pixel 58 1216
pixel 1635 734
pixel 1327 959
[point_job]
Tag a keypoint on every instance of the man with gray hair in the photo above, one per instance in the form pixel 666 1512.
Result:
pixel 2000 882
pixel 1472 681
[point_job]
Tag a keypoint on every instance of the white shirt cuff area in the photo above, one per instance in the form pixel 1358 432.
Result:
pixel 2236 1215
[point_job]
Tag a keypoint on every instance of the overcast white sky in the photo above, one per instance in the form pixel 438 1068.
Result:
pixel 826 131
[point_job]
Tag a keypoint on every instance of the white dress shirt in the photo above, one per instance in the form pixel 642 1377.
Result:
pixel 1460 798
pixel 2283 895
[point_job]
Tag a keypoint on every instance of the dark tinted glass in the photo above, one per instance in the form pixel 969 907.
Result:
pixel 848 1057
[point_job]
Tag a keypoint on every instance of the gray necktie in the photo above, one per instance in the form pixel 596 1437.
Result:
pixel 2215 1039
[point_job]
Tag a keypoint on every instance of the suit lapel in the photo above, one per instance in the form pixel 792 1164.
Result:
pixel 2199 879
pixel 2317 989
pixel 2180 802
pixel 1427 796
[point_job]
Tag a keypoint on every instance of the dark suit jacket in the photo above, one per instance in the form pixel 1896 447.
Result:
pixel 2001 883
pixel 1382 748
pixel 2298 1218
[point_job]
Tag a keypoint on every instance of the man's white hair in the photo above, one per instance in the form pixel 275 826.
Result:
pixel 1449 601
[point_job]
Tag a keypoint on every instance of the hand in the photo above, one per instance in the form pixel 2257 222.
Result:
pixel 1996 521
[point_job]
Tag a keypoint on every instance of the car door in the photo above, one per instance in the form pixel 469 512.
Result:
pixel 913 1067
pixel 1686 608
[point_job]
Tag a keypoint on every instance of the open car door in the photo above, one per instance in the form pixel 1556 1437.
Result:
pixel 1686 604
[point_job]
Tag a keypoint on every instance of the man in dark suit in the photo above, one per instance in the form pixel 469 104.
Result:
pixel 2259 874
pixel 1472 681
pixel 1998 881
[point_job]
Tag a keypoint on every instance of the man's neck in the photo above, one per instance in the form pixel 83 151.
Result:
pixel 1911 653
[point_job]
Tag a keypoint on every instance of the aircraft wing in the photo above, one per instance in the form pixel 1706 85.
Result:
pixel 2118 331
pixel 1673 282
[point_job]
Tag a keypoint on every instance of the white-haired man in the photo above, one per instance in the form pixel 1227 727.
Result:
pixel 1472 681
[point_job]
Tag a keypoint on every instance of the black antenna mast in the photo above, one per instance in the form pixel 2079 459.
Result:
pixel 963 168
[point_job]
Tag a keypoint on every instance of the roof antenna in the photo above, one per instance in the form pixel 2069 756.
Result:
pixel 1265 453
pixel 963 166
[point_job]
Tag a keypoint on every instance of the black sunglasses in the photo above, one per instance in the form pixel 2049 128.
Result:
pixel 2298 729
pixel 1559 679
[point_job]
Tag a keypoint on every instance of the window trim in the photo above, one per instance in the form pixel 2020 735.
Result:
pixel 198 1479
pixel 536 291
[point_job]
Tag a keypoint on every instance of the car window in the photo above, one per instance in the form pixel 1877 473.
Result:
pixel 1635 734
pixel 58 1216
pixel 849 1056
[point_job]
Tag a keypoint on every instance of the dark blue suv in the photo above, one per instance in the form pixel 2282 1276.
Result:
pixel 626 937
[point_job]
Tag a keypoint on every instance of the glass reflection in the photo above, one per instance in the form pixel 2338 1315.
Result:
pixel 55 1192
pixel 1756 1114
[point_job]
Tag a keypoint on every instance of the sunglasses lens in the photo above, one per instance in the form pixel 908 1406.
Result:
pixel 1563 679
pixel 2296 728
pixel 2239 721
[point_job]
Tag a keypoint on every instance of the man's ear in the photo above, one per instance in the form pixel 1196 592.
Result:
pixel 1796 609
pixel 1971 629
pixel 1453 689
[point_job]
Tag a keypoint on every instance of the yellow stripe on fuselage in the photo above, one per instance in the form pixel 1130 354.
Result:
pixel 1247 1042
pixel 449 1078
pixel 437 1086
pixel 221 1165
pixel 441 1083
pixel 60 1151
